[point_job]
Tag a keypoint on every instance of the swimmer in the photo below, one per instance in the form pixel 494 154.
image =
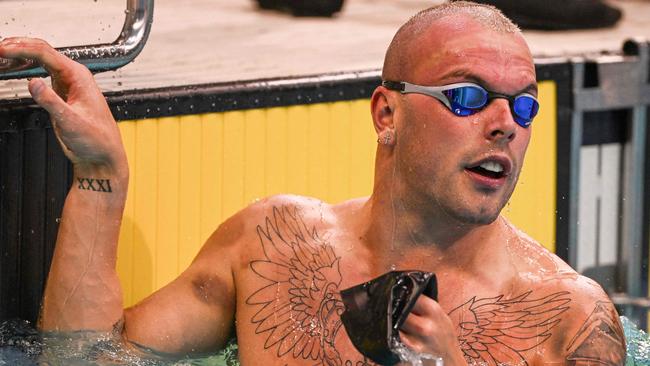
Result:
pixel 271 274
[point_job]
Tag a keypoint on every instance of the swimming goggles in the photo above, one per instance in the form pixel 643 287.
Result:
pixel 465 99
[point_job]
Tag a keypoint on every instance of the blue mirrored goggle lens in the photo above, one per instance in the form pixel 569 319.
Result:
pixel 466 100
pixel 524 109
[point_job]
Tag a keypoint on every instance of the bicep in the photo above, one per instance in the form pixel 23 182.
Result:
pixel 192 314
pixel 195 313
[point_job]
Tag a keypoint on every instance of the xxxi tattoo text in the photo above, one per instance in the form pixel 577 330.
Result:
pixel 95 185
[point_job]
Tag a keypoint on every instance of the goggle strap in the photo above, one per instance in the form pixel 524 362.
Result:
pixel 394 85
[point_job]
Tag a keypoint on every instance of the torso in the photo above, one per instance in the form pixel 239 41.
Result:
pixel 298 256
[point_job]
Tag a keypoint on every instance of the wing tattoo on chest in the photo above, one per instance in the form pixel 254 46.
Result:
pixel 495 331
pixel 298 310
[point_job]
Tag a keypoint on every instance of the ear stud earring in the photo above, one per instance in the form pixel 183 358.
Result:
pixel 386 137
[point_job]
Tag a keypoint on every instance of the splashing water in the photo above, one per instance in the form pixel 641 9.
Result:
pixel 22 345
pixel 411 357
pixel 638 344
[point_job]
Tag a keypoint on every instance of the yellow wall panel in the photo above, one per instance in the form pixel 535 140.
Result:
pixel 189 191
pixel 297 160
pixel 532 206
pixel 339 152
pixel 145 196
pixel 211 173
pixel 190 173
pixel 363 143
pixel 168 210
pixel 233 163
pixel 275 156
pixel 318 151
pixel 127 230
pixel 254 151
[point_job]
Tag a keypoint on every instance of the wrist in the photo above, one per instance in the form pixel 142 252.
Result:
pixel 118 172
pixel 112 181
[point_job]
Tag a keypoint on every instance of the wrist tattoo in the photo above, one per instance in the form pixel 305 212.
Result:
pixel 95 185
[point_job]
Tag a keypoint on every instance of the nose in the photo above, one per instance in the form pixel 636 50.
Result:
pixel 500 126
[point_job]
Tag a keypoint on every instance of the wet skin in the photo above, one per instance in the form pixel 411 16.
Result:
pixel 435 147
pixel 273 271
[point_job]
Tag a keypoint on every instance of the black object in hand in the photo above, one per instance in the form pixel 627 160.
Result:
pixel 375 310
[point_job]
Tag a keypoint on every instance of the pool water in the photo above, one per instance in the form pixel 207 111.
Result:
pixel 638 344
pixel 22 345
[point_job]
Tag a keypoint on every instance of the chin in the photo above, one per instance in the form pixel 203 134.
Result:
pixel 476 215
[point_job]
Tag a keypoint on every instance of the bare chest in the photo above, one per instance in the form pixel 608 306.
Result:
pixel 289 305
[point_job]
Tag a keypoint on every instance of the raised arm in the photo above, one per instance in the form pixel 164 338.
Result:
pixel 195 312
pixel 82 291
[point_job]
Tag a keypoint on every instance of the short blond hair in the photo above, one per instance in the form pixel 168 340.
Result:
pixel 397 55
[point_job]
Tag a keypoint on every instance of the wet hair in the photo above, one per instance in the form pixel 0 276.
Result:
pixel 398 56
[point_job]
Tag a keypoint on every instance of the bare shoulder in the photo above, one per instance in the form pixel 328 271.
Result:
pixel 589 330
pixel 240 234
pixel 592 331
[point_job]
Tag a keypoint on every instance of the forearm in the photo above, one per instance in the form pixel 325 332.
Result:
pixel 83 291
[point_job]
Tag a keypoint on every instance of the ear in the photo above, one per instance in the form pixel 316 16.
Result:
pixel 382 105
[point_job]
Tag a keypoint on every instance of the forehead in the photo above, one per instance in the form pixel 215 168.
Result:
pixel 458 48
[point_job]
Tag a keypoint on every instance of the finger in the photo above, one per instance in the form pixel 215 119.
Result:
pixel 38 50
pixel 62 116
pixel 59 110
pixel 46 97
pixel 424 305
pixel 410 342
pixel 415 325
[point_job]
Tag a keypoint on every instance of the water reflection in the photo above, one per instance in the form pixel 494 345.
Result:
pixel 22 345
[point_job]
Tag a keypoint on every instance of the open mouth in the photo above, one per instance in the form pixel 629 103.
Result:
pixel 489 169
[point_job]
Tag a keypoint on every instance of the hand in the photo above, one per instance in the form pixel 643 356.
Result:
pixel 428 329
pixel 79 113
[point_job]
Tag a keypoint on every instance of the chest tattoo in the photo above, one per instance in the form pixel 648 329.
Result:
pixel 298 308
pixel 298 262
pixel 496 330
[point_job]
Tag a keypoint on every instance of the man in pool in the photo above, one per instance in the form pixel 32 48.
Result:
pixel 447 162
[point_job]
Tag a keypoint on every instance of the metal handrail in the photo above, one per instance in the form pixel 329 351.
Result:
pixel 98 57
pixel 625 300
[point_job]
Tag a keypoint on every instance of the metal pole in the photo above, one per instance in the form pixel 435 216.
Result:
pixel 98 57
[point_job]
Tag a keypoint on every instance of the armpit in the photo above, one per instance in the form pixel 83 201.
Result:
pixel 212 291
pixel 600 339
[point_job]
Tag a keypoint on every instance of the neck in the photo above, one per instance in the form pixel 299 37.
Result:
pixel 403 224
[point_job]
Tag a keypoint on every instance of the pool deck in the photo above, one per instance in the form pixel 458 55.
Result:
pixel 209 41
